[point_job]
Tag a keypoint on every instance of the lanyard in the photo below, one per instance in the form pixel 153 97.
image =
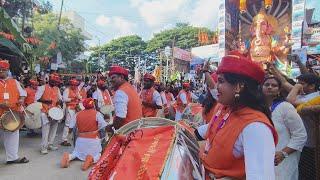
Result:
pixel 220 126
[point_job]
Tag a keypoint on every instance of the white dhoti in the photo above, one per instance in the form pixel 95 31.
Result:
pixel 70 115
pixel 11 144
pixel 87 146
pixel 49 131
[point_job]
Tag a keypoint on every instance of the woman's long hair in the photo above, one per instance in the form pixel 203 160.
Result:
pixel 251 95
pixel 208 103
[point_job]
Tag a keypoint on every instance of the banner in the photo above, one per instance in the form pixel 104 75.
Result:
pixel 181 54
pixel 297 22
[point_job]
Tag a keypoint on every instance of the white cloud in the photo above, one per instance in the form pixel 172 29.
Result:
pixel 124 26
pixel 117 25
pixel 156 13
pixel 204 14
pixel 103 20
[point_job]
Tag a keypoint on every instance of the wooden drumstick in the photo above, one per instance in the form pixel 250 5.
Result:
pixel 13 115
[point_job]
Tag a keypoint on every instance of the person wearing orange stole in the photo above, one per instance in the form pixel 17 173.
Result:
pixel 183 99
pixel 241 138
pixel 101 95
pixel 49 95
pixel 31 92
pixel 126 100
pixel 150 97
pixel 11 97
pixel 88 143
pixel 71 96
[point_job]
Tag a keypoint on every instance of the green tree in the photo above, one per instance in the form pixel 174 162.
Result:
pixel 183 35
pixel 120 51
pixel 67 38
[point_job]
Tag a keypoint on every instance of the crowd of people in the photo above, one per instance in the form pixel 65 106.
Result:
pixel 251 127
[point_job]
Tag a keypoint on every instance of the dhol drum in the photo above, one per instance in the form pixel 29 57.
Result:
pixel 11 120
pixel 193 114
pixel 33 116
pixel 159 149
pixel 56 113
pixel 160 113
pixel 107 109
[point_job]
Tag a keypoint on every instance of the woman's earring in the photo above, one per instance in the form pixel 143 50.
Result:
pixel 237 96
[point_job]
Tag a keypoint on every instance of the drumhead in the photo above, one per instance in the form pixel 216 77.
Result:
pixel 34 107
pixel 107 109
pixel 11 121
pixel 32 121
pixel 56 113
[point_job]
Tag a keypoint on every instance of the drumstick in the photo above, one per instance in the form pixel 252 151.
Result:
pixel 24 110
pixel 13 115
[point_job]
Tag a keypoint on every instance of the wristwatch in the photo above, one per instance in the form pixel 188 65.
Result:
pixel 285 154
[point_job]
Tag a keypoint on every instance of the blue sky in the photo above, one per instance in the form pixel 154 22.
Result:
pixel 108 19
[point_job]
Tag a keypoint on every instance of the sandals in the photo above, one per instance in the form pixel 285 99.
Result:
pixel 65 143
pixel 19 161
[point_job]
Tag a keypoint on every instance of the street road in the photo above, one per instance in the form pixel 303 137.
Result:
pixel 46 167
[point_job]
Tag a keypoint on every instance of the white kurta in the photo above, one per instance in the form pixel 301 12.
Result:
pixel 292 134
pixel 88 146
pixel 97 95
pixel 256 144
pixel 11 139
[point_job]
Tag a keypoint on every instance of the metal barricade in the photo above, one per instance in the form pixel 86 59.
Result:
pixel 309 165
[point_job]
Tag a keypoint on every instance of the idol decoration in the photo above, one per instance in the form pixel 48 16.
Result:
pixel 268 42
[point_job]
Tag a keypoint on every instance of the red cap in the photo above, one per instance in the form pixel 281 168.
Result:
pixel 88 103
pixel 55 77
pixel 74 82
pixel 33 82
pixel 239 64
pixel 4 64
pixel 149 76
pixel 118 70
pixel 186 85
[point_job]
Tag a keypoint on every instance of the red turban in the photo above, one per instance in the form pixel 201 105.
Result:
pixel 186 85
pixel 74 82
pixel 149 76
pixel 55 77
pixel 241 65
pixel 4 64
pixel 88 103
pixel 118 70
pixel 33 82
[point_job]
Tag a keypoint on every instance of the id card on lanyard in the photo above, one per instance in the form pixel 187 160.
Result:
pixel 6 95
pixel 208 144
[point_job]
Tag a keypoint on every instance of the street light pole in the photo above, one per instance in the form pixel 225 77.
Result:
pixel 60 13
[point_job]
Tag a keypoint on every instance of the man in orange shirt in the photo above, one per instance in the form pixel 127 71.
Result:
pixel 101 95
pixel 126 99
pixel 72 98
pixel 151 98
pixel 11 97
pixel 31 92
pixel 88 143
pixel 49 95
pixel 183 99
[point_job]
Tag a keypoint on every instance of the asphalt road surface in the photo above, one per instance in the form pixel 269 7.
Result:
pixel 46 167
